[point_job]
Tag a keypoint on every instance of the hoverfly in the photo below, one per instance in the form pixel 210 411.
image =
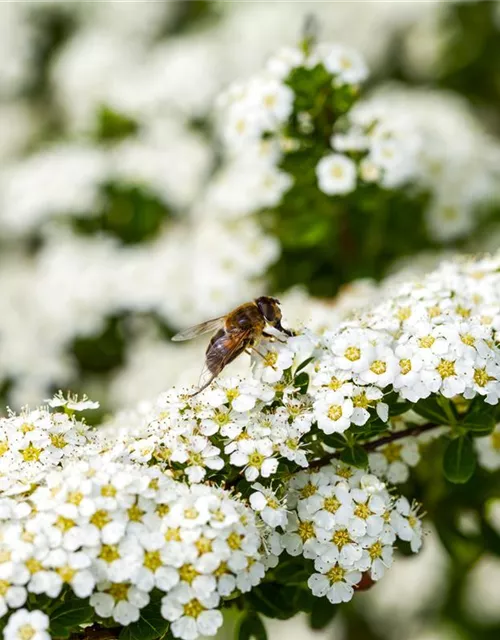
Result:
pixel 236 332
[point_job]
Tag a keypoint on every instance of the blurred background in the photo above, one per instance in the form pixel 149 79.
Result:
pixel 124 218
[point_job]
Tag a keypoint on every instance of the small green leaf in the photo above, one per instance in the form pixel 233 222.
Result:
pixel 151 624
pixel 335 440
pixel 302 382
pixel 69 615
pixel 480 421
pixel 303 365
pixel 459 460
pixel 322 613
pixel 292 571
pixel 431 410
pixel 251 626
pixel 275 600
pixel 356 456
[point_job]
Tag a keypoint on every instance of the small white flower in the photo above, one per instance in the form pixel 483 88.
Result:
pixel 24 624
pixel 336 174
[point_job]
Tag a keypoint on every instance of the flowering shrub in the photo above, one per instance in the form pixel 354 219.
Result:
pixel 272 493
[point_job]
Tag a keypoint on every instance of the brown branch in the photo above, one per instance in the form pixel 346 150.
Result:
pixel 375 444
pixel 95 632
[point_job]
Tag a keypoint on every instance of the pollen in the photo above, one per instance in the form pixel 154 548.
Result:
pixel 109 553
pixel 270 359
pixel 4 587
pixel 152 560
pixel 173 534
pixel 403 313
pixel 392 452
pixel 193 608
pixel 162 510
pixel 341 538
pixel 344 472
pixel 4 447
pixel 231 394
pixel 5 556
pixel 336 574
pixel 234 541
pixel 405 366
pixel 58 440
pixel 118 591
pixel 191 513
pixel 337 171
pixel 375 550
pixel 64 524
pixel 100 519
pixel 468 340
pixel 204 545
pixel 363 511
pixel 463 311
pixel 335 412
pixel 335 383
pixel 31 453
pixel 108 491
pixel 33 565
pixel 74 497
pixel 361 401
pixel 26 428
pixel 66 573
pixel 331 504
pixel 378 367
pixel 446 368
pixel 188 573
pixel 256 459
pixel 426 342
pixel 221 418
pixel 309 490
pixel 26 632
pixel 221 570
pixel 481 378
pixel 434 312
pixel 352 354
pixel 306 531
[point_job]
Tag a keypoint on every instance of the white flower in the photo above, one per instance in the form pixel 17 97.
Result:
pixel 488 450
pixel 346 64
pixel 256 457
pixel 334 582
pixel 336 174
pixel 190 614
pixel 333 412
pixel 120 601
pixel 24 624
pixel 265 502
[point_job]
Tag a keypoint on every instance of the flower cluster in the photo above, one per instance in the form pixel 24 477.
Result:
pixel 347 523
pixel 116 532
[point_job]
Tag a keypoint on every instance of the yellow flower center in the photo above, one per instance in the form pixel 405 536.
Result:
pixel 204 545
pixel 221 570
pixel 109 553
pixel 193 608
pixel 363 511
pixel 352 354
pixel 234 541
pixel 341 538
pixel 152 560
pixel 58 440
pixel 462 311
pixel 306 531
pixel 188 573
pixel 64 524
pixel 191 513
pixel 378 367
pixel 344 472
pixel 361 401
pixel 335 383
pixel 434 312
pixel 392 452
pixel 231 394
pixel 336 171
pixel 270 359
pixel 336 574
pixel 31 453
pixel 162 510
pixel 426 342
pixel 66 573
pixel 33 565
pixel 100 519
pixel 405 366
pixel 309 490
pixel 256 459
pixel 481 378
pixel 74 497
pixel 375 550
pixel 467 339
pixel 495 440
pixel 4 587
pixel 446 368
pixel 26 428
pixel 26 632
pixel 118 591
pixel 335 412
pixel 4 447
pixel 331 504
pixel 135 513
pixel 108 491
pixel 403 313
pixel 173 534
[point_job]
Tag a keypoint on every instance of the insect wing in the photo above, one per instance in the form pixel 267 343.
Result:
pixel 199 329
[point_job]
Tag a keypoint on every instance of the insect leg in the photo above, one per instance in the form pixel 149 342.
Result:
pixel 273 338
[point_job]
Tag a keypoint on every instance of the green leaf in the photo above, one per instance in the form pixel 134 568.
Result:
pixel 480 421
pixel 335 440
pixel 69 615
pixel 303 365
pixel 275 600
pixel 459 460
pixel 151 624
pixel 356 456
pixel 431 410
pixel 251 626
pixel 292 571
pixel 302 382
pixel 322 613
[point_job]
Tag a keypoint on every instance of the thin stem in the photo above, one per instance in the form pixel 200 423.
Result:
pixel 97 633
pixel 375 444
